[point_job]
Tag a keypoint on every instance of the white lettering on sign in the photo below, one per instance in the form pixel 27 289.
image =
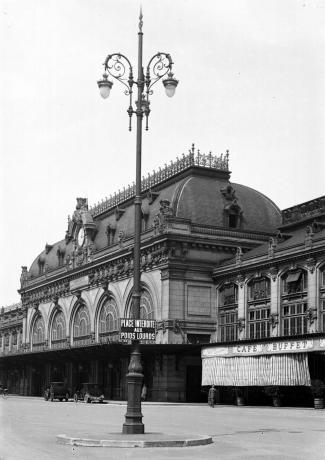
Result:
pixel 251 349
pixel 274 347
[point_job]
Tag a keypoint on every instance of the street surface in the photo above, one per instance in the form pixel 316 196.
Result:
pixel 28 429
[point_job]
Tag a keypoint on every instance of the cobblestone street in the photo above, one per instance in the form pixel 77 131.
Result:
pixel 29 427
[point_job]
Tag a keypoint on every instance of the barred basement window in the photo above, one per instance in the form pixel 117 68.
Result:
pixel 294 321
pixel 259 324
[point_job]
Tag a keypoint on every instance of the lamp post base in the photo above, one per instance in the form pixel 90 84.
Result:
pixel 133 417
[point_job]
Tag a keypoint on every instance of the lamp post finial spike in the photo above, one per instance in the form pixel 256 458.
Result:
pixel 140 19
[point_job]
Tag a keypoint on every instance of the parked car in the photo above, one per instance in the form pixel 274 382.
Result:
pixel 57 390
pixel 89 393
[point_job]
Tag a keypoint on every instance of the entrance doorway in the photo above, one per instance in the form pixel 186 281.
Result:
pixel 193 384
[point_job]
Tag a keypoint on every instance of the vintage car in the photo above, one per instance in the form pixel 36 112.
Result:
pixel 89 393
pixel 57 390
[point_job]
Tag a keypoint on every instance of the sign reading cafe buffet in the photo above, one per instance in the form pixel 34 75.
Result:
pixel 265 348
pixel 137 329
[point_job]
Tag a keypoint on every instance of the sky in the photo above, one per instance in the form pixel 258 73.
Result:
pixel 251 79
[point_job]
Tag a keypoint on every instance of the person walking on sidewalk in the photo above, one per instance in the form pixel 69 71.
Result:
pixel 211 396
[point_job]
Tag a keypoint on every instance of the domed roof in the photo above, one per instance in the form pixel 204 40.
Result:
pixel 196 190
pixel 204 200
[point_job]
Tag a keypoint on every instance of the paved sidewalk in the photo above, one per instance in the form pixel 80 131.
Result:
pixel 29 427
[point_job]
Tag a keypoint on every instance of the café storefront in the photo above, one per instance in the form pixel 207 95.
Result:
pixel 252 367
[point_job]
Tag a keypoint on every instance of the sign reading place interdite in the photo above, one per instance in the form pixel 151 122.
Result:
pixel 137 329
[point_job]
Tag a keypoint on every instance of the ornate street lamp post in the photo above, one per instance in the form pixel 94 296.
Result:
pixel 119 67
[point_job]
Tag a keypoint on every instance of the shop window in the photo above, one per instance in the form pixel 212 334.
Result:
pixel 294 282
pixel 294 321
pixel 259 289
pixel 108 318
pixel 258 322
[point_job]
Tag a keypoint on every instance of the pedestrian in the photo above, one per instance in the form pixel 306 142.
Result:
pixel 51 393
pixel 211 396
pixel 144 392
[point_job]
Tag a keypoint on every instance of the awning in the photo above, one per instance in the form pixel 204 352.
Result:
pixel 293 277
pixel 264 370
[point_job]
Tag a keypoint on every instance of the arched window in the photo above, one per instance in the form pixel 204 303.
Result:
pixel 228 312
pixel 81 325
pixel 38 335
pixel 294 302
pixel 108 317
pixel 259 308
pixel 58 333
pixel 146 307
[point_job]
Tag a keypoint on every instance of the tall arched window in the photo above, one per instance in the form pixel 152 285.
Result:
pixel 259 307
pixel 58 333
pixel 108 317
pixel 146 306
pixel 38 335
pixel 294 302
pixel 228 312
pixel 81 326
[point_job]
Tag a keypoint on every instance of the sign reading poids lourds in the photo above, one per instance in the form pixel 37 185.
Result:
pixel 137 329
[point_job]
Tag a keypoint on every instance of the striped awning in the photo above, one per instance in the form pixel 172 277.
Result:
pixel 264 370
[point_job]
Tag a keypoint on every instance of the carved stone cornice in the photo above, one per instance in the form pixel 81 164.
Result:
pixel 311 264
pixel 273 273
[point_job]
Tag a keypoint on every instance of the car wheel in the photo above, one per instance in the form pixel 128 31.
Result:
pixel 60 399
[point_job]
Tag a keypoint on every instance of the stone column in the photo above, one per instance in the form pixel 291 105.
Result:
pixel 242 309
pixel 312 316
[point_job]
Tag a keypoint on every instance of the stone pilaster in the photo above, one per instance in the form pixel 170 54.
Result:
pixel 274 303
pixel 312 296
pixel 242 309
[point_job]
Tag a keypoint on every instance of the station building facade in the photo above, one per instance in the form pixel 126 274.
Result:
pixel 202 249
